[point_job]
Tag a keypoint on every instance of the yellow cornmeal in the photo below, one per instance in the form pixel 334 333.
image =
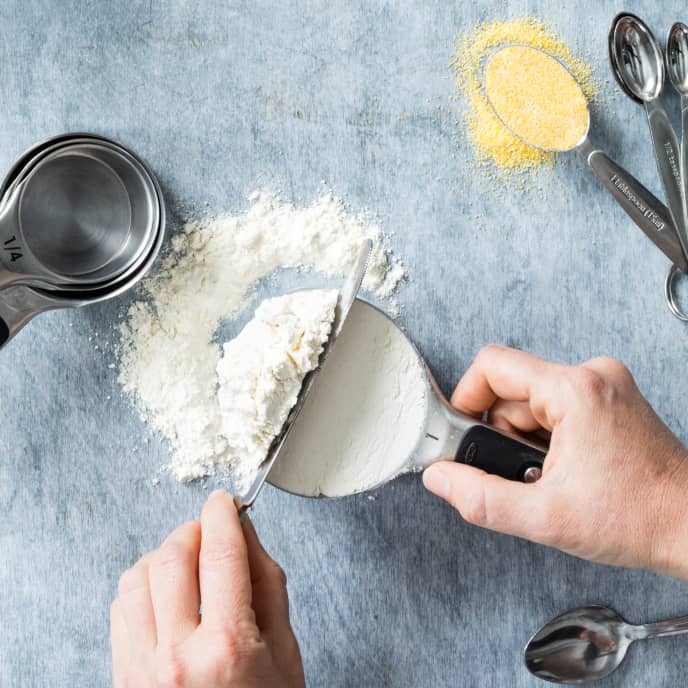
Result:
pixel 537 98
pixel 492 141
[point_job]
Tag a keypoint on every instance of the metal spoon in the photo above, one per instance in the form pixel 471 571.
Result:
pixel 676 57
pixel 641 205
pixel 588 643
pixel 638 66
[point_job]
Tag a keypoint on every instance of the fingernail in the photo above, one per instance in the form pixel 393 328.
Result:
pixel 436 481
pixel 217 493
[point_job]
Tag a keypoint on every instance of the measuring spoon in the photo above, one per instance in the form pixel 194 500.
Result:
pixel 638 65
pixel 677 67
pixel 443 434
pixel 640 204
pixel 588 643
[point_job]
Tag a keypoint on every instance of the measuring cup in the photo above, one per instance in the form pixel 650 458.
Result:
pixel 23 300
pixel 444 433
pixel 82 212
pixel 648 212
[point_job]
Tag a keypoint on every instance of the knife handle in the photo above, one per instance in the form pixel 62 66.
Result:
pixel 501 453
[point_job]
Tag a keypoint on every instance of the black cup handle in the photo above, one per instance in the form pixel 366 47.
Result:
pixel 4 332
pixel 501 454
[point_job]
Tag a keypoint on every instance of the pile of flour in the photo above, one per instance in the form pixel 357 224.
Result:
pixel 262 369
pixel 168 353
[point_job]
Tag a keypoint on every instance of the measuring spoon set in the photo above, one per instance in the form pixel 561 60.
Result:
pixel 638 65
pixel 82 219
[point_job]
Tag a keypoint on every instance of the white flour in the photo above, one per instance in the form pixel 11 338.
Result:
pixel 364 415
pixel 262 369
pixel 169 358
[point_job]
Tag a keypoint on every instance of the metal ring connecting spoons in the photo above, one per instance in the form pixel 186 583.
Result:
pixel 670 292
pixel 589 643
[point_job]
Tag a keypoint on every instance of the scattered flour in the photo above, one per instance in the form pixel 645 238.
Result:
pixel 262 369
pixel 364 415
pixel 168 353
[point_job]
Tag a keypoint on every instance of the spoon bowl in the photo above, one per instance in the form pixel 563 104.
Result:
pixel 677 57
pixel 578 646
pixel 636 59
pixel 510 92
pixel 589 643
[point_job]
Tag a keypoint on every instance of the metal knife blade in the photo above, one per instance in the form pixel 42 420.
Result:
pixel 347 296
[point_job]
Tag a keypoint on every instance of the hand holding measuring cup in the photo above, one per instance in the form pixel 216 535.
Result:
pixel 614 480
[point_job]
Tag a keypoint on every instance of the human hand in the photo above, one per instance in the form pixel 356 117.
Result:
pixel 615 478
pixel 243 638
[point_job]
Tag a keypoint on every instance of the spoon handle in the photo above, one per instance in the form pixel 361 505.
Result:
pixel 642 206
pixel 684 154
pixel 668 157
pixel 675 626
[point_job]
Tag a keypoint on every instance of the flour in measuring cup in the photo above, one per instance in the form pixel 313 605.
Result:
pixel 262 369
pixel 169 358
pixel 364 415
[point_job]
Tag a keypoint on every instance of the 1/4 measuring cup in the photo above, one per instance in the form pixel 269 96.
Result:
pixel 138 244
pixel 647 211
pixel 83 212
pixel 441 432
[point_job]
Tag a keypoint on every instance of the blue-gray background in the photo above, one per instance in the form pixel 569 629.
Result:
pixel 223 98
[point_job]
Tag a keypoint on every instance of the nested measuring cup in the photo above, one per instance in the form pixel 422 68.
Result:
pixel 82 219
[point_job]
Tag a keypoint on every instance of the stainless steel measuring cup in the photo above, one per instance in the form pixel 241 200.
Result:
pixel 81 213
pixel 444 434
pixel 22 299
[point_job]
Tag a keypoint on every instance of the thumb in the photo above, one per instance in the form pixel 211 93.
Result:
pixel 489 501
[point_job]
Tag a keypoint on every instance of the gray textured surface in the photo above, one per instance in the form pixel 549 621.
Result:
pixel 227 97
